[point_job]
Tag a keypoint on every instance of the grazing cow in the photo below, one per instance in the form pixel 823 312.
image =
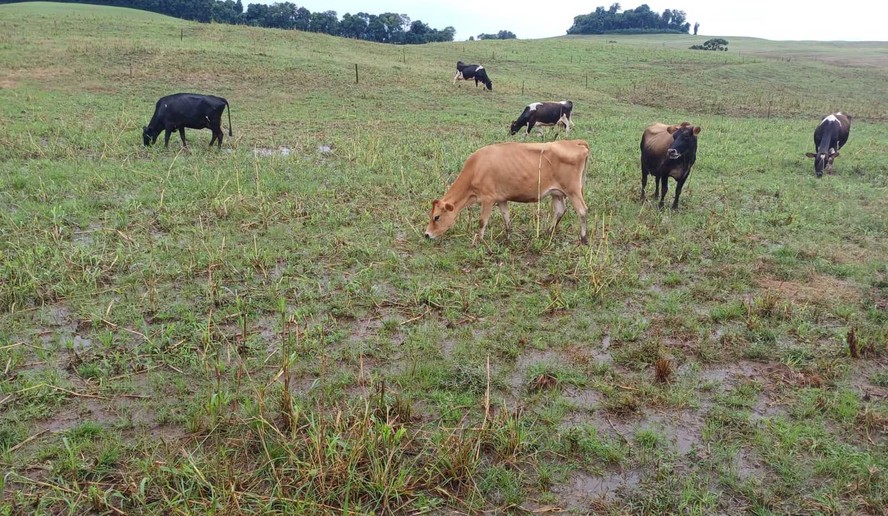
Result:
pixel 518 172
pixel 668 151
pixel 465 72
pixel 187 110
pixel 829 137
pixel 544 114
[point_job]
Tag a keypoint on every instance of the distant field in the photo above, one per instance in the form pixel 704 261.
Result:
pixel 263 329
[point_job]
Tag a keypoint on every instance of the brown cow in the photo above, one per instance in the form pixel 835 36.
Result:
pixel 668 151
pixel 518 172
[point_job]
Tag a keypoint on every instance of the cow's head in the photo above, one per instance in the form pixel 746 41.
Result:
pixel 514 128
pixel 823 160
pixel 147 137
pixel 442 217
pixel 684 140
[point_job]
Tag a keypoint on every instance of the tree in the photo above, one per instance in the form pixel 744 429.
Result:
pixel 640 19
pixel 712 44
pixel 696 26
pixel 353 26
pixel 326 22
pixel 503 34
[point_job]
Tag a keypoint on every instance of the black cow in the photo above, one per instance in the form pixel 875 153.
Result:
pixel 187 110
pixel 544 114
pixel 668 150
pixel 465 72
pixel 829 137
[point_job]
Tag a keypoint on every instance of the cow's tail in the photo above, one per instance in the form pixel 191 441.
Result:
pixel 229 118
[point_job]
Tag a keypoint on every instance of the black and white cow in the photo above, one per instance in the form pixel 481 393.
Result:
pixel 830 136
pixel 544 114
pixel 181 110
pixel 465 72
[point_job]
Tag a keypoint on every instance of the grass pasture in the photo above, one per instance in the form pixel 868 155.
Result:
pixel 263 329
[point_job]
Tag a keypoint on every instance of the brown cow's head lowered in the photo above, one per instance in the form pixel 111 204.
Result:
pixel 442 217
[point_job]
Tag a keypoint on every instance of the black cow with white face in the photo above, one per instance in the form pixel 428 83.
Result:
pixel 830 136
pixel 181 110
pixel 668 151
pixel 465 72
pixel 544 114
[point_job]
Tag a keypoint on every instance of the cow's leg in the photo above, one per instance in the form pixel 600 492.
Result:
pixel 182 135
pixel 486 208
pixel 504 209
pixel 219 138
pixel 576 198
pixel 166 137
pixel 644 182
pixel 457 77
pixel 213 139
pixel 558 210
pixel 656 187
pixel 678 185
pixel 664 187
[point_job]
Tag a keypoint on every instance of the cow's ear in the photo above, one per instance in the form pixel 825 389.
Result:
pixel 448 207
pixel 670 129
pixel 697 130
pixel 810 155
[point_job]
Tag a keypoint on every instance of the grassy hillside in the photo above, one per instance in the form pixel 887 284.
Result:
pixel 263 329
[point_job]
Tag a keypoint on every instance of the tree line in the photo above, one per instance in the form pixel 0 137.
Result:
pixel 640 19
pixel 383 28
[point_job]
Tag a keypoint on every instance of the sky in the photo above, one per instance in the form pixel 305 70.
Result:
pixel 846 20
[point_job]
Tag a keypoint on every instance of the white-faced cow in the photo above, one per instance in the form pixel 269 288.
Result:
pixel 518 172
pixel 544 114
pixel 466 72
pixel 181 110
pixel 830 136
pixel 668 151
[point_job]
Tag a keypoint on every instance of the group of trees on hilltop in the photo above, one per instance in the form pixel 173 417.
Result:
pixel 503 34
pixel 640 19
pixel 383 28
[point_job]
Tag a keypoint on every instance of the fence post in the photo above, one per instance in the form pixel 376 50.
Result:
pixel 522 87
pixel 181 34
pixel 356 73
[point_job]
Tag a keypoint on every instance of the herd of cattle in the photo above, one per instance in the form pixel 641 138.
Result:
pixel 518 172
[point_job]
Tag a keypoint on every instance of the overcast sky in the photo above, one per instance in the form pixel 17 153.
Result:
pixel 849 20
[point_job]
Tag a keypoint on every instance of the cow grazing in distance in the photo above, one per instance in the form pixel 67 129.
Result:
pixel 181 110
pixel 543 114
pixel 830 136
pixel 518 172
pixel 668 151
pixel 465 72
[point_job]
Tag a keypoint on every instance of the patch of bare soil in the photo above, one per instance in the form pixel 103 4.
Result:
pixel 61 421
pixel 684 428
pixel 584 491
pixel 821 289
pixel 861 379
pixel 7 84
pixel 585 399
